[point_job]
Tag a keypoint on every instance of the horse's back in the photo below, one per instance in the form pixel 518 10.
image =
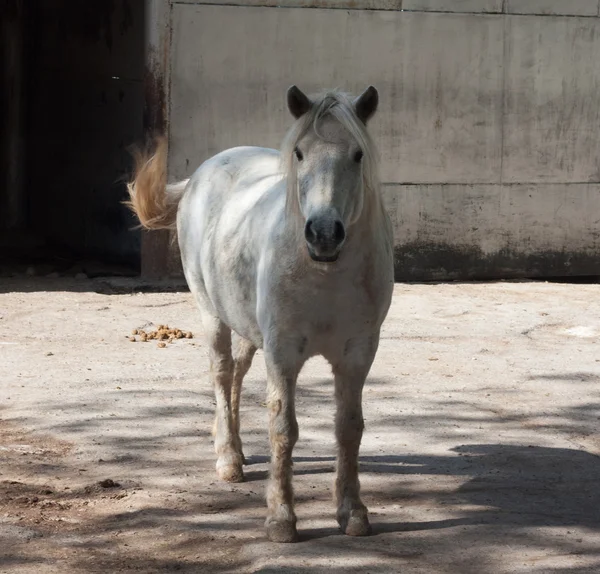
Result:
pixel 233 172
pixel 241 164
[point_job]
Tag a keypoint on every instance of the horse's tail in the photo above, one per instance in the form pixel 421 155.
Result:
pixel 150 198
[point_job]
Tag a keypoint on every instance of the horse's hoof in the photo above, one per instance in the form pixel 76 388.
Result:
pixel 281 531
pixel 230 472
pixel 356 524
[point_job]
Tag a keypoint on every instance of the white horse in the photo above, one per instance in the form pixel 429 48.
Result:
pixel 290 252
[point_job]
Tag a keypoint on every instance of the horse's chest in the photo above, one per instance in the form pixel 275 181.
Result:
pixel 339 312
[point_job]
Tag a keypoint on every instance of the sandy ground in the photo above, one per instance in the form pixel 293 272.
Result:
pixel 480 453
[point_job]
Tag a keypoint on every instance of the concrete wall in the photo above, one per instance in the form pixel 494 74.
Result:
pixel 488 127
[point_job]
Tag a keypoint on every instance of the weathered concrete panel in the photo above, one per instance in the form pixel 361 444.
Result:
pixel 559 7
pixel 487 6
pixel 350 4
pixel 478 231
pixel 461 206
pixel 552 123
pixel 440 116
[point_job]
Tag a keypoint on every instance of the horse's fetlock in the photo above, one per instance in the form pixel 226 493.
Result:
pixel 283 443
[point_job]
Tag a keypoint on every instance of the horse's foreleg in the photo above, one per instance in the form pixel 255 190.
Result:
pixel 242 359
pixel 350 374
pixel 283 434
pixel 229 458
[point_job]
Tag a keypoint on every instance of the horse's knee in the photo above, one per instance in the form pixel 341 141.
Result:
pixel 221 364
pixel 349 426
pixel 243 353
pixel 283 426
pixel 219 344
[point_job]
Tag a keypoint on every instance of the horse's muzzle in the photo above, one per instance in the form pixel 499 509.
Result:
pixel 323 258
pixel 324 238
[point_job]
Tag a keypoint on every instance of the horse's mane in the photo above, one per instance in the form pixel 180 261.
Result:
pixel 336 104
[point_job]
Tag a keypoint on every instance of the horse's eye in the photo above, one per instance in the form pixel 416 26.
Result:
pixel 298 154
pixel 358 156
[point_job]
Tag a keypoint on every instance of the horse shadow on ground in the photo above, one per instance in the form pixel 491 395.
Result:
pixel 479 493
pixel 508 485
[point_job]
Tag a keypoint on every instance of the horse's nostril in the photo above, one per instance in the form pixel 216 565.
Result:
pixel 309 232
pixel 339 233
pixel 321 232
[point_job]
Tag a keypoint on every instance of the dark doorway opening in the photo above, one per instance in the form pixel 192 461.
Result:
pixel 72 104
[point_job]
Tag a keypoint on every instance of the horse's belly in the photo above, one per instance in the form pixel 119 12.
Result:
pixel 231 277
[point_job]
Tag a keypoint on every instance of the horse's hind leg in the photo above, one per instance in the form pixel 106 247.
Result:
pixel 229 457
pixel 243 354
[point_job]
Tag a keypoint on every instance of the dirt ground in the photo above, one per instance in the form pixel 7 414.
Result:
pixel 481 450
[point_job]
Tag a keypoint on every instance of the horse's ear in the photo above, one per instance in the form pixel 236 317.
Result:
pixel 297 102
pixel 366 104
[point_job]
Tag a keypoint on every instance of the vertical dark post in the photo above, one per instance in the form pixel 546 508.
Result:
pixel 155 244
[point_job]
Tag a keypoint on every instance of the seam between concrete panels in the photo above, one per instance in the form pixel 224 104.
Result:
pixel 516 15
pixel 503 94
pixel 232 4
pixel 504 9
pixel 488 184
pixel 169 83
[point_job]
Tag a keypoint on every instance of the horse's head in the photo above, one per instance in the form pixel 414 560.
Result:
pixel 330 166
